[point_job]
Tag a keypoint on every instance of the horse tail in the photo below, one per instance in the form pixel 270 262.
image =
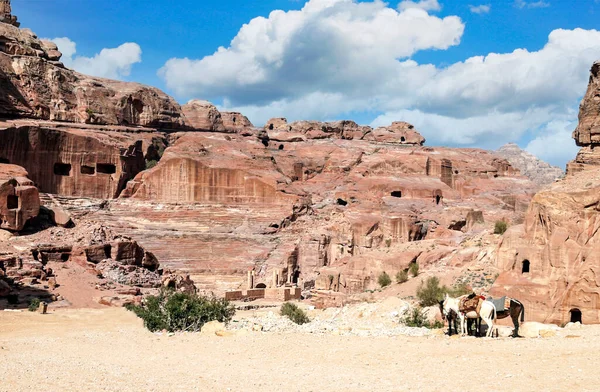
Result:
pixel 522 312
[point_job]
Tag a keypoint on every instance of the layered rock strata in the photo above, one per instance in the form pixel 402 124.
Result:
pixel 551 262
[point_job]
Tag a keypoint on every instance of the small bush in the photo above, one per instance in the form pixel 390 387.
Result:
pixel 384 279
pixel 500 227
pixel 34 304
pixel 294 313
pixel 401 276
pixel 151 164
pixel 416 319
pixel 431 293
pixel 174 311
pixel 414 269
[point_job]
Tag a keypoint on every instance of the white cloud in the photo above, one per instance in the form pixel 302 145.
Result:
pixel 112 63
pixel 340 58
pixel 531 4
pixel 480 9
pixel 554 144
pixel 328 43
pixel 426 5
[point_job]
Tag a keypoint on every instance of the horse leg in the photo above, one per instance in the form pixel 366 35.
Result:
pixel 490 325
pixel 514 315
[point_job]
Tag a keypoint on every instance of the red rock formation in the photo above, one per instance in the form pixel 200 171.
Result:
pixel 19 198
pixel 35 85
pixel 203 116
pixel 234 121
pixel 399 132
pixel 551 261
pixel 6 14
pixel 74 162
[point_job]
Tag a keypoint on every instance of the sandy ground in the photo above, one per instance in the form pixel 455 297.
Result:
pixel 109 350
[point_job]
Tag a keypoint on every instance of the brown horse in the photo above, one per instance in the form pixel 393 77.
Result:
pixel 515 309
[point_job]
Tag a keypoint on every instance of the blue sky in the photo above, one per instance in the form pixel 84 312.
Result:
pixel 371 62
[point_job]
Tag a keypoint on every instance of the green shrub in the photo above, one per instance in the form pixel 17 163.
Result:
pixel 294 313
pixel 431 293
pixel 151 164
pixel 174 311
pixel 416 319
pixel 402 276
pixel 34 304
pixel 414 269
pixel 384 279
pixel 500 227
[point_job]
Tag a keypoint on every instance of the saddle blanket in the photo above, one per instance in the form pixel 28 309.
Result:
pixel 501 304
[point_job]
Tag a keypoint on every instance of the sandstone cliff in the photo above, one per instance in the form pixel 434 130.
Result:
pixel 534 168
pixel 324 205
pixel 551 262
pixel 34 84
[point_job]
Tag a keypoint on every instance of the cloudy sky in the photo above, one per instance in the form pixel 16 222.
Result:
pixel 465 73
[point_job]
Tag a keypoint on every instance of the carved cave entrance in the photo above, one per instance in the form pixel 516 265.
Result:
pixel 12 202
pixel 397 194
pixel 62 169
pixel 438 199
pixel 525 268
pixel 88 170
pixel 575 315
pixel 261 286
pixel 402 139
pixel 4 160
pixel 106 168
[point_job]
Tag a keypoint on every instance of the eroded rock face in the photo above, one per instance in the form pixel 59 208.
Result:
pixel 203 116
pixel 73 162
pixel 6 14
pixel 588 130
pixel 399 132
pixel 35 85
pixel 551 261
pixel 534 168
pixel 19 198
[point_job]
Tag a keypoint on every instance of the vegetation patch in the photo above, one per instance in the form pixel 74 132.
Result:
pixel 384 279
pixel 34 304
pixel 402 276
pixel 173 311
pixel 294 313
pixel 500 227
pixel 414 269
pixel 415 318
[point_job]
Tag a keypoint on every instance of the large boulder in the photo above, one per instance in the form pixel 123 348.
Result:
pixel 203 116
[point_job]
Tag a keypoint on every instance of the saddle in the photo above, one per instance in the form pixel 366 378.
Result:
pixel 472 303
pixel 501 304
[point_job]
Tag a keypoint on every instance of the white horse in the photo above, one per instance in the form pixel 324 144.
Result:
pixel 487 313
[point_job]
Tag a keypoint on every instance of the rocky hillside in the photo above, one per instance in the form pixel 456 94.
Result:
pixel 325 206
pixel 535 169
pixel 551 262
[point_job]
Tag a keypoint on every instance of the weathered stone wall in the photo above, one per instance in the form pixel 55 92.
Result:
pixel 72 163
pixel 19 198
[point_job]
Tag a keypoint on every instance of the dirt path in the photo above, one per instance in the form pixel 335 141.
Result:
pixel 108 350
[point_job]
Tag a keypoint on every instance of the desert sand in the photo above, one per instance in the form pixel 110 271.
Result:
pixel 109 350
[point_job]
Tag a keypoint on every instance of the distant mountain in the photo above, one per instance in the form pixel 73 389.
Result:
pixel 530 166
